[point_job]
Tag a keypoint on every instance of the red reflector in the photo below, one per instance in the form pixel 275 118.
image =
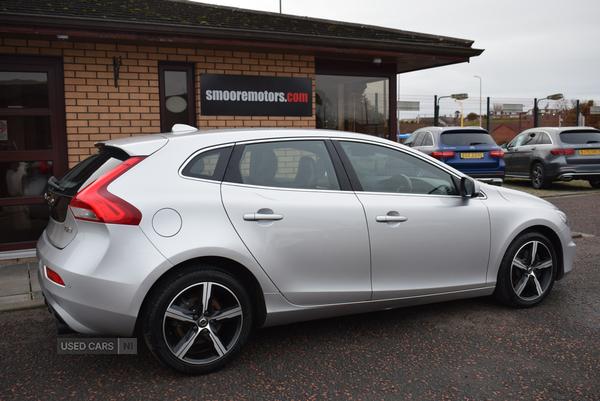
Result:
pixel 442 155
pixel 53 276
pixel 95 203
pixel 562 152
pixel 497 153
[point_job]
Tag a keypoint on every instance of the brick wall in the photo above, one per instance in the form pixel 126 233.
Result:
pixel 96 110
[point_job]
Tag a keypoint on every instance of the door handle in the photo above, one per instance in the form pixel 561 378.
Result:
pixel 262 216
pixel 390 218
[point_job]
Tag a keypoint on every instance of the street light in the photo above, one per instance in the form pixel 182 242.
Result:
pixel 477 76
pixel 462 121
pixel 556 96
pixel 436 109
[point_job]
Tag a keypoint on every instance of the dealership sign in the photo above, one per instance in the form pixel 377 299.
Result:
pixel 240 95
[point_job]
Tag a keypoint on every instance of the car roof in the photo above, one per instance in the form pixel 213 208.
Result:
pixel 214 137
pixel 447 129
pixel 561 129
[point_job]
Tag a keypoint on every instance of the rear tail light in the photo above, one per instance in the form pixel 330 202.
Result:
pixel 497 153
pixel 95 203
pixel 54 276
pixel 562 152
pixel 442 155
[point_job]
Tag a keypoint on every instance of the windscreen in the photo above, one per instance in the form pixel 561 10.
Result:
pixel 466 138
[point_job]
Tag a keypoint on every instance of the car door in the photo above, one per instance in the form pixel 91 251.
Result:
pixel 425 238
pixel 520 155
pixel 308 234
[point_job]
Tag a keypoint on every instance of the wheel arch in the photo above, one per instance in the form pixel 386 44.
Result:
pixel 535 161
pixel 237 270
pixel 554 239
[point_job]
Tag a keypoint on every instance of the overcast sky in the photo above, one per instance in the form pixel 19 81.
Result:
pixel 532 48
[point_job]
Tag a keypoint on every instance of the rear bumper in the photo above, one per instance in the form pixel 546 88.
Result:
pixel 104 286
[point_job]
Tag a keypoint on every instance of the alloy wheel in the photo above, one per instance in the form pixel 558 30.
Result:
pixel 531 270
pixel 203 323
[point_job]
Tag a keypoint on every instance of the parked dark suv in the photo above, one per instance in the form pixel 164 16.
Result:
pixel 471 150
pixel 547 154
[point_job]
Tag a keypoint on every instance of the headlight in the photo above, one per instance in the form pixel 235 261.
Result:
pixel 563 216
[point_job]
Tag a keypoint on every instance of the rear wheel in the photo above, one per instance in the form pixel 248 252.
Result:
pixel 595 183
pixel 527 272
pixel 198 320
pixel 538 176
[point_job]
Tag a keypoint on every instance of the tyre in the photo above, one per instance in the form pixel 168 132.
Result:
pixel 198 320
pixel 595 183
pixel 538 176
pixel 527 272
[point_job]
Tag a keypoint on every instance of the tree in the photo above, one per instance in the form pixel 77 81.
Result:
pixel 472 116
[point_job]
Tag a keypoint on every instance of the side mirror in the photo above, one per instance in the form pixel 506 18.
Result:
pixel 468 188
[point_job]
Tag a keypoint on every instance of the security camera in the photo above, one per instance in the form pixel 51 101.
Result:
pixel 62 38
pixel 377 61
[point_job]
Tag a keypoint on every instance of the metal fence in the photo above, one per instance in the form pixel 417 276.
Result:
pixel 503 117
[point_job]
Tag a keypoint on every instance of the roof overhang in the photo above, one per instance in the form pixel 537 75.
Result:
pixel 406 55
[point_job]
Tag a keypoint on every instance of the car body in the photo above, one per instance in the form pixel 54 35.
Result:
pixel 471 150
pixel 547 154
pixel 194 237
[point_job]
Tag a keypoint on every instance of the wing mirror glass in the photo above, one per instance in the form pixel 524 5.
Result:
pixel 468 188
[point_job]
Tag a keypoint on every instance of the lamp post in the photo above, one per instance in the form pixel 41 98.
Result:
pixel 462 121
pixel 477 76
pixel 556 96
pixel 436 109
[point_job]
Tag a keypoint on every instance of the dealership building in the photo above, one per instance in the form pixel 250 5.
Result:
pixel 73 73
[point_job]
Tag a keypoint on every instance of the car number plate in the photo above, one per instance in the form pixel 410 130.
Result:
pixel 589 152
pixel 475 155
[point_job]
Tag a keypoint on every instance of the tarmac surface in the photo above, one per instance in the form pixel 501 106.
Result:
pixel 470 349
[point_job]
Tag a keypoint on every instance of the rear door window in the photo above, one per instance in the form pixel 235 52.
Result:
pixel 428 140
pixel 304 164
pixel 544 139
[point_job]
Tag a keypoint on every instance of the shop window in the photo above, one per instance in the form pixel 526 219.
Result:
pixel 353 103
pixel 177 104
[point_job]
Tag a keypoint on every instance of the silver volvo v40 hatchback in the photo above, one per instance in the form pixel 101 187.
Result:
pixel 193 238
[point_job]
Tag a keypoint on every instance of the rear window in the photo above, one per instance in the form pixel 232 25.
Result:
pixel 466 138
pixel 90 169
pixel 580 137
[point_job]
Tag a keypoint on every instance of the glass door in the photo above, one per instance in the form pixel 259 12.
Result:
pixel 32 145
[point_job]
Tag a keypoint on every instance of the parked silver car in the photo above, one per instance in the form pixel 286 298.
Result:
pixel 547 154
pixel 196 237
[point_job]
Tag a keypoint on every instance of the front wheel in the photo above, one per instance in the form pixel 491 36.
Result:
pixel 538 177
pixel 198 321
pixel 527 272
